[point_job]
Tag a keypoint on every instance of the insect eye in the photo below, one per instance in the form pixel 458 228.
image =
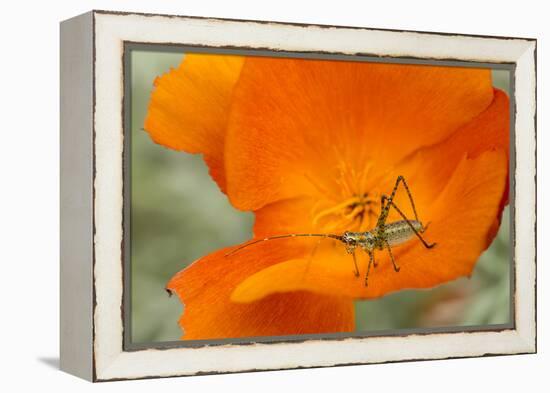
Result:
pixel 347 238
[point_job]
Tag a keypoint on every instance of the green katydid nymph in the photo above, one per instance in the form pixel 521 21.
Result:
pixel 383 236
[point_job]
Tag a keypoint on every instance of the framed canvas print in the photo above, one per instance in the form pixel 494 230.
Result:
pixel 245 195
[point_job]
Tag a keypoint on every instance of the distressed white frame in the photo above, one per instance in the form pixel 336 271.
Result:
pixel 111 30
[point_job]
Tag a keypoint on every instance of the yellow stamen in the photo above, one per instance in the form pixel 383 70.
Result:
pixel 356 210
pixel 335 209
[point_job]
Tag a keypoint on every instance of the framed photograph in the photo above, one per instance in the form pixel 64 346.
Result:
pixel 246 195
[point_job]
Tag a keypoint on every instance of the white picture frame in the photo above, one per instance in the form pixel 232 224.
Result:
pixel 92 194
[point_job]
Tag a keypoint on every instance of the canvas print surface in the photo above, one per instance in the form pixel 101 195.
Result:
pixel 289 196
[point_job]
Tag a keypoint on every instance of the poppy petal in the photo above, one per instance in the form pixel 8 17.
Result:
pixel 205 287
pixel 428 170
pixel 287 216
pixel 459 217
pixel 189 107
pixel 489 131
pixel 309 116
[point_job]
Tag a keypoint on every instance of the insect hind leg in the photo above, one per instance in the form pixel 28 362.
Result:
pixel 410 197
pixel 417 233
pixel 395 267
pixel 385 208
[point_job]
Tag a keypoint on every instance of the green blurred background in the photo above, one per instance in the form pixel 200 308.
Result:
pixel 178 214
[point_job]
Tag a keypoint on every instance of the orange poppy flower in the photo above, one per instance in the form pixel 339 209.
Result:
pixel 310 146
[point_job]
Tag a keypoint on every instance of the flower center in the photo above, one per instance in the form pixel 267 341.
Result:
pixel 357 213
pixel 351 201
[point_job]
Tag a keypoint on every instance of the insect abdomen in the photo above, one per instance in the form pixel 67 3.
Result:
pixel 399 232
